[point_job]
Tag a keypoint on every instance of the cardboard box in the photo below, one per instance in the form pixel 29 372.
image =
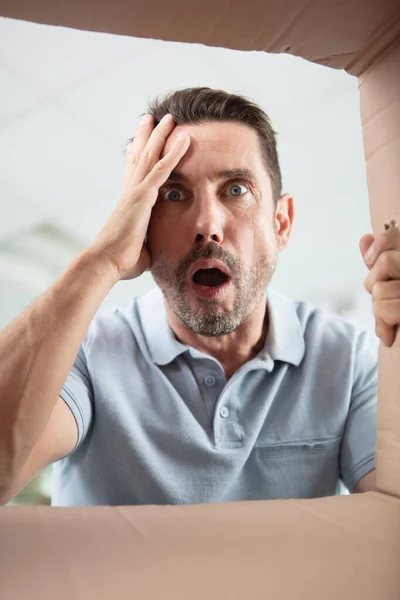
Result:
pixel 328 548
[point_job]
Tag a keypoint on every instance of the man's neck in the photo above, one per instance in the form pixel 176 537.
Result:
pixel 232 350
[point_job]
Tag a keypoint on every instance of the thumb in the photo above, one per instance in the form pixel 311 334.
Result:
pixel 365 243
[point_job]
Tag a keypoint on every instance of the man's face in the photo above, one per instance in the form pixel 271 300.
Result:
pixel 205 212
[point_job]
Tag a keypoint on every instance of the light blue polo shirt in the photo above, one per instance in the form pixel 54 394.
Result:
pixel 159 423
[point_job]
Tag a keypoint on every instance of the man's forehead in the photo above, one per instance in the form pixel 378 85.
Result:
pixel 219 151
pixel 232 138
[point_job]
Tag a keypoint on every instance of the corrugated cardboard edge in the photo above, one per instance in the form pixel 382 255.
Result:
pixel 380 112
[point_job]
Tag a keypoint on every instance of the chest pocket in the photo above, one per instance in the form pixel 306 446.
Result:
pixel 303 469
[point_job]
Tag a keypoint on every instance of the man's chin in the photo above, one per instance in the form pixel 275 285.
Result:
pixel 202 317
pixel 209 325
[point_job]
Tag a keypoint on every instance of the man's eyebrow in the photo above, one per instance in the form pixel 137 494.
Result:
pixel 226 174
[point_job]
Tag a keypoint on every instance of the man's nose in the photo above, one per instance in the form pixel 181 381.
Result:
pixel 207 222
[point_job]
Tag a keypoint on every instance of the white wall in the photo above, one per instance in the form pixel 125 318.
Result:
pixel 69 101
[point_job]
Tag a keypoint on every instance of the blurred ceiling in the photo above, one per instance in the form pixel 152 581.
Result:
pixel 70 100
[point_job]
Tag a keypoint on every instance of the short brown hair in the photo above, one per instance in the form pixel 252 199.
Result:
pixel 201 104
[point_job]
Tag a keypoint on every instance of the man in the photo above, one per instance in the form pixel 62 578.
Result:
pixel 212 387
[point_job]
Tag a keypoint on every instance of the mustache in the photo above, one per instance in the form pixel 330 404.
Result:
pixel 212 250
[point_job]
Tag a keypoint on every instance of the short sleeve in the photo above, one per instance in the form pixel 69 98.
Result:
pixel 357 455
pixel 77 392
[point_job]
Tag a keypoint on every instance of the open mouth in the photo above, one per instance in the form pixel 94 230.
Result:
pixel 210 277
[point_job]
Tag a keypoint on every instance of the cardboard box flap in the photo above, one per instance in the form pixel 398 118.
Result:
pixel 336 34
pixel 328 548
pixel 380 113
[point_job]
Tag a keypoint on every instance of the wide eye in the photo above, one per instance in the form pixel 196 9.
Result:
pixel 173 195
pixel 236 189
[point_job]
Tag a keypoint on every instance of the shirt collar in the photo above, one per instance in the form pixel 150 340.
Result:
pixel 285 340
pixel 161 341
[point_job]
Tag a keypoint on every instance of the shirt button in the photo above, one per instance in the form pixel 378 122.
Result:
pixel 209 380
pixel 224 412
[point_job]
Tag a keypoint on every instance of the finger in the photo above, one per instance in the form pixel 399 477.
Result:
pixel 365 243
pixel 387 311
pixel 386 308
pixel 388 240
pixel 162 169
pixel 150 155
pixel 386 267
pixel 386 290
pixel 138 143
pixel 385 333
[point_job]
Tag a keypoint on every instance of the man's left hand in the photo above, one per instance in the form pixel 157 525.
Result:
pixel 382 257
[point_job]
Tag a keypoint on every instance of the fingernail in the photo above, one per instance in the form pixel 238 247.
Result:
pixel 368 256
pixel 146 119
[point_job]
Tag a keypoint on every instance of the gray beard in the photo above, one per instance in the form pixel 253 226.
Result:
pixel 215 321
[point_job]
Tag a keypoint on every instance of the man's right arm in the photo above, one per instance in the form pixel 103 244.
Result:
pixel 37 351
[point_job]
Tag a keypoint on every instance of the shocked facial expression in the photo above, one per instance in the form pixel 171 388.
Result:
pixel 213 235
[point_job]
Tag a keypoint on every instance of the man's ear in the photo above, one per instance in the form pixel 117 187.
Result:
pixel 284 216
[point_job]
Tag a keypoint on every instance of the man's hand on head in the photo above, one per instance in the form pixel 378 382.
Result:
pixel 122 240
pixel 382 257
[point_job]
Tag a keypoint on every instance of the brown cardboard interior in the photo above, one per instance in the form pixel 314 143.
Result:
pixel 380 94
pixel 323 548
pixel 344 34
pixel 326 548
